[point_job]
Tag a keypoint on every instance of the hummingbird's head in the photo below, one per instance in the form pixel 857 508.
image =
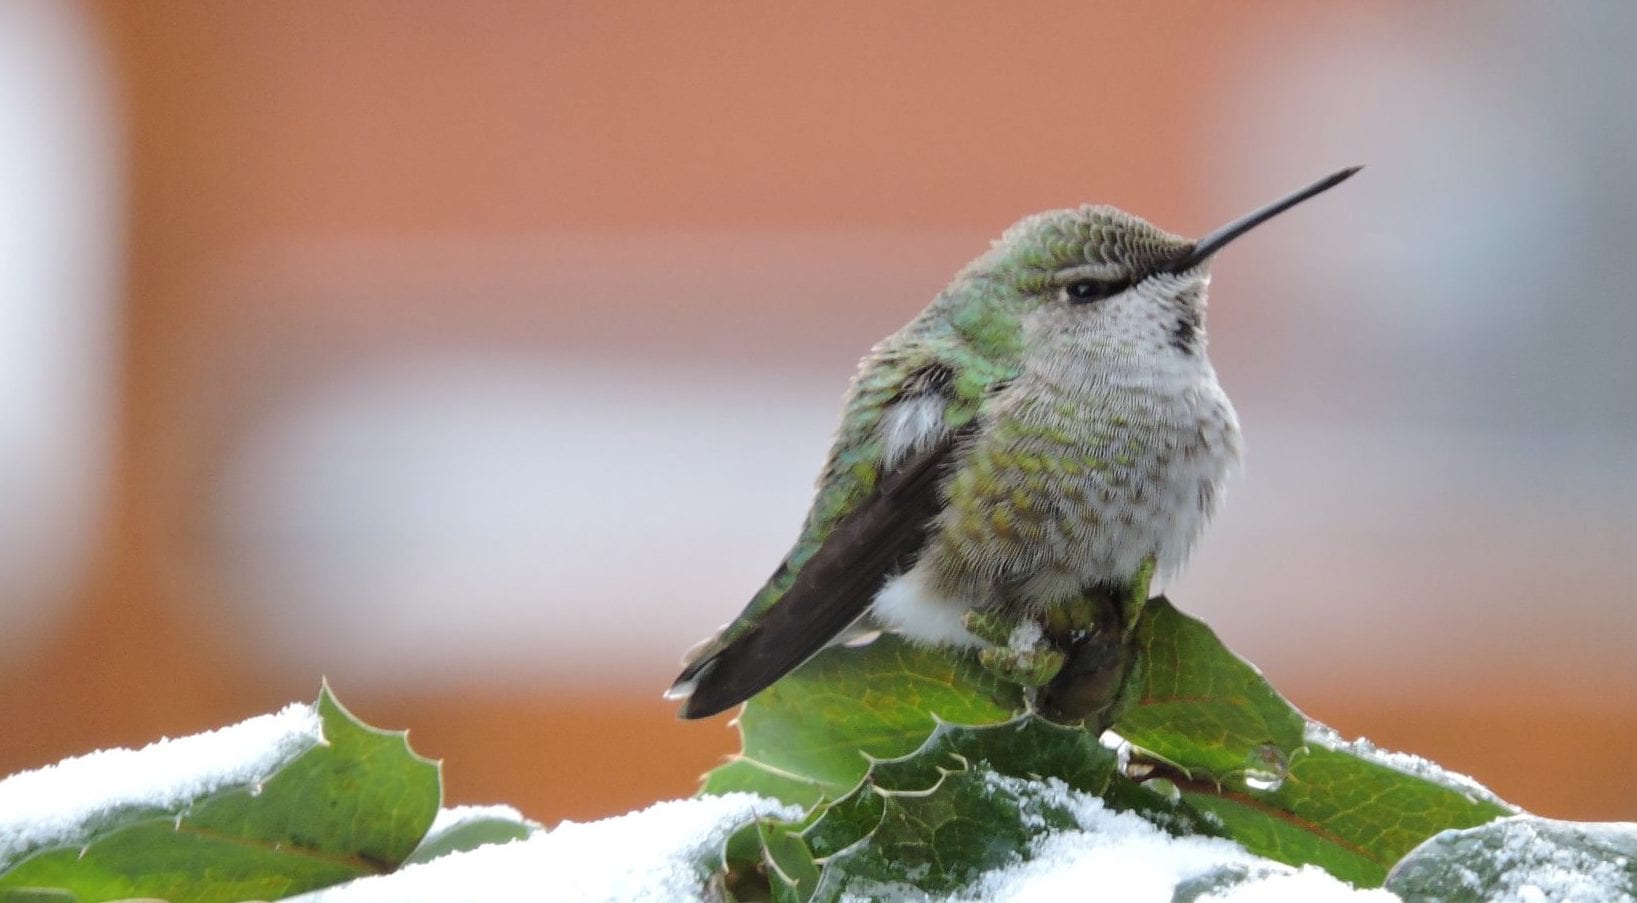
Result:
pixel 1099 277
pixel 1096 277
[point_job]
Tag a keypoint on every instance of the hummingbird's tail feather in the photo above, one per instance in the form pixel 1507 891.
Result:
pixel 831 590
pixel 757 658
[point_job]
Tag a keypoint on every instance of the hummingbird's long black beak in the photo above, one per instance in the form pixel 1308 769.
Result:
pixel 1216 241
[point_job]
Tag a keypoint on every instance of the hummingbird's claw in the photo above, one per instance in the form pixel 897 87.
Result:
pixel 1019 650
pixel 993 627
pixel 1033 667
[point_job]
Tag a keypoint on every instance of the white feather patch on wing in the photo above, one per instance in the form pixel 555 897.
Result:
pixel 908 606
pixel 909 425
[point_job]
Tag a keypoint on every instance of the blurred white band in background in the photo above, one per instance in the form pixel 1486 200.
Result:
pixel 60 263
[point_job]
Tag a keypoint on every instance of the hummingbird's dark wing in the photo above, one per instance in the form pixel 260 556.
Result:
pixel 818 592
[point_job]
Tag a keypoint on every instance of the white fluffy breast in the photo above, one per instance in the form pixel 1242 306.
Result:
pixel 910 606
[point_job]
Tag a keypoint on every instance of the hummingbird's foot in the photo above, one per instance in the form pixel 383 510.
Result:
pixel 993 627
pixel 1082 615
pixel 1090 688
pixel 1094 632
pixel 1019 650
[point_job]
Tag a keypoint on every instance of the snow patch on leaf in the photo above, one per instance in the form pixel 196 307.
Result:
pixel 458 816
pixel 1525 859
pixel 1122 856
pixel 654 854
pixel 64 803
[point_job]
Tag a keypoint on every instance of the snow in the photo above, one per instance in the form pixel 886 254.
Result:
pixel 60 804
pixel 653 855
pixel 1026 636
pixel 1298 886
pixel 1120 856
pixel 643 856
pixel 1533 862
pixel 453 817
pixel 1570 875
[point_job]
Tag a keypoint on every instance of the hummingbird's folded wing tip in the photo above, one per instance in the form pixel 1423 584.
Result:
pixel 680 691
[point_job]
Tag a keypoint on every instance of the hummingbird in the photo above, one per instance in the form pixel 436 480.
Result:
pixel 1047 430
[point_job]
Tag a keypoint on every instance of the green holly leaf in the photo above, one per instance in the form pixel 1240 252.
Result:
pixel 1519 858
pixel 354 805
pixel 862 737
pixel 1281 786
pixel 1202 708
pixel 469 827
pixel 768 859
pixel 969 799
pixel 941 839
pixel 811 735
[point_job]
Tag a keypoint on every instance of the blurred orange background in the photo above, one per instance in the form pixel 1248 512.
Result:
pixel 480 356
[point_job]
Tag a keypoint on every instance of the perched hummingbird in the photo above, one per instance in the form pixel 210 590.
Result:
pixel 1049 428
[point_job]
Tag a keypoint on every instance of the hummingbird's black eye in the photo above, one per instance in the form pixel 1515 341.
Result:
pixel 1085 291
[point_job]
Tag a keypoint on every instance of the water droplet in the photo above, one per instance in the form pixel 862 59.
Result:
pixel 1263 780
pixel 1268 768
